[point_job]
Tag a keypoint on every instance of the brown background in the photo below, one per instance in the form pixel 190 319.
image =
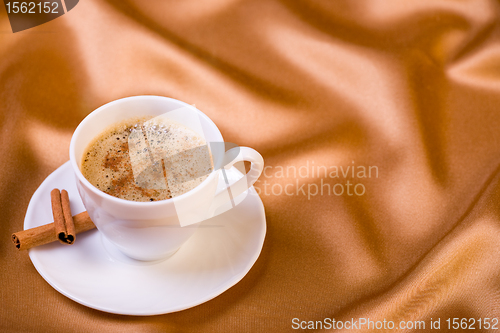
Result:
pixel 412 87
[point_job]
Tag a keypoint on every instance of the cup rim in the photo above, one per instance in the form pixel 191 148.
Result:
pixel 150 204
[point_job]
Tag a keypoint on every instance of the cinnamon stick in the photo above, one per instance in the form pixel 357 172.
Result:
pixel 69 224
pixel 44 234
pixel 55 198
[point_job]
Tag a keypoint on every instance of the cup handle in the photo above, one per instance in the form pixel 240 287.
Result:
pixel 241 185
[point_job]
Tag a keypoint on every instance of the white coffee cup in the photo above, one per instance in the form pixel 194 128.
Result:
pixel 153 230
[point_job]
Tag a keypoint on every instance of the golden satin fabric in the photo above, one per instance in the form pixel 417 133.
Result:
pixel 410 88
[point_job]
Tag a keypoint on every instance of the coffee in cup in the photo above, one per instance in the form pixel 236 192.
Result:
pixel 146 159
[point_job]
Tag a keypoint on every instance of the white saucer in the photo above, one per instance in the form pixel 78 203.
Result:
pixel 91 272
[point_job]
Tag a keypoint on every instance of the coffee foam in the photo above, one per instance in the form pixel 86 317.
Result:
pixel 144 159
